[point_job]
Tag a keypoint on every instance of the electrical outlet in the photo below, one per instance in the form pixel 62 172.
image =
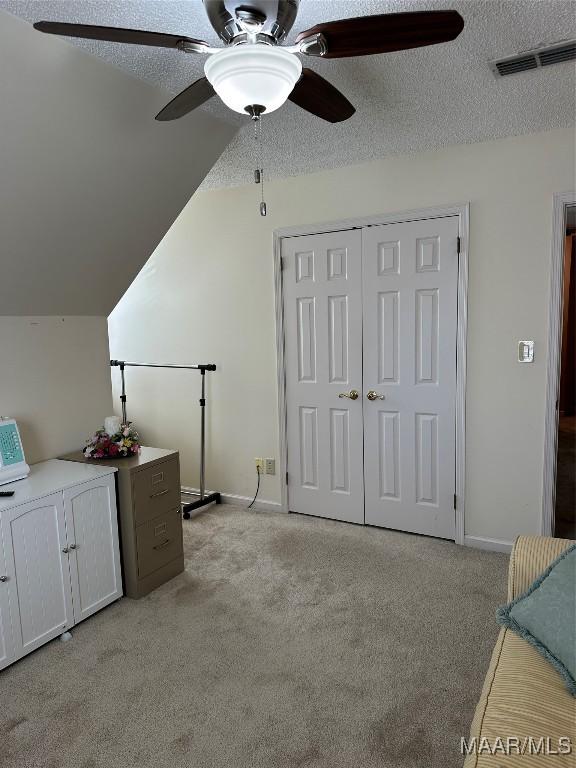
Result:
pixel 270 465
pixel 260 465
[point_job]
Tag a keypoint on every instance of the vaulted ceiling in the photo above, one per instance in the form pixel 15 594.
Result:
pixel 407 101
pixel 89 181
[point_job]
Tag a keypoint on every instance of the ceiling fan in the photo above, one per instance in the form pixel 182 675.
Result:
pixel 255 74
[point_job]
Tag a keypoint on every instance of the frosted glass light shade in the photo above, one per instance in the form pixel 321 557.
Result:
pixel 244 75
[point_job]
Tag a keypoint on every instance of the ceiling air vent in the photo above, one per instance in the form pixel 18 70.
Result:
pixel 540 57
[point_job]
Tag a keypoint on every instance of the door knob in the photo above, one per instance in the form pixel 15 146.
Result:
pixel 371 395
pixel 73 546
pixel 3 578
pixel 353 394
pixel 65 550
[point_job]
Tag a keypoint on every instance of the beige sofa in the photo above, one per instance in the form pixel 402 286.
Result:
pixel 523 695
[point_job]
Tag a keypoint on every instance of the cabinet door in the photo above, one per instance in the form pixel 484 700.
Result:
pixel 34 538
pixel 92 531
pixel 7 596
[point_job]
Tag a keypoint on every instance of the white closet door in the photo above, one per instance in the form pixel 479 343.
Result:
pixel 92 531
pixel 322 293
pixel 35 546
pixel 410 276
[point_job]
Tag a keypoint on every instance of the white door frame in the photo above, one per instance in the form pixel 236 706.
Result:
pixel 560 204
pixel 462 210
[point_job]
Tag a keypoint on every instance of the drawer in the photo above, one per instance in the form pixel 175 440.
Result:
pixel 156 490
pixel 158 542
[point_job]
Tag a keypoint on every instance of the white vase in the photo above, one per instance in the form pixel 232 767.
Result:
pixel 112 424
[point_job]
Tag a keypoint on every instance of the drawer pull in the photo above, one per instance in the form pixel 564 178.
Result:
pixel 157 478
pixel 160 493
pixel 164 544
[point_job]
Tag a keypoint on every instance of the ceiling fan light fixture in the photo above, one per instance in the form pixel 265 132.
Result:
pixel 247 74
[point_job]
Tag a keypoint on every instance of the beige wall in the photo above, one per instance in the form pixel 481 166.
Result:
pixel 54 380
pixel 207 294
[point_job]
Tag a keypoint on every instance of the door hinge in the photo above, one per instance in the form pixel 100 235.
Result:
pixel 286 478
pixel 455 501
pixel 458 245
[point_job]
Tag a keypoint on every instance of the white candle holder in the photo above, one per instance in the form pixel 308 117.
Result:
pixel 112 424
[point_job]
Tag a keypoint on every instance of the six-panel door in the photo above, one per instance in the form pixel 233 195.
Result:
pixel 410 276
pixel 323 350
pixel 373 310
pixel 92 532
pixel 34 538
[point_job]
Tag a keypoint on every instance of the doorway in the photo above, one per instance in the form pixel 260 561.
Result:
pixel 558 497
pixel 565 497
pixel 371 371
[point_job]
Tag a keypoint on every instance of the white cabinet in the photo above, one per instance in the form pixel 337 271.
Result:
pixel 92 535
pixel 59 555
pixel 34 537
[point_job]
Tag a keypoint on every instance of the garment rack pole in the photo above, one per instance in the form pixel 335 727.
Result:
pixel 204 498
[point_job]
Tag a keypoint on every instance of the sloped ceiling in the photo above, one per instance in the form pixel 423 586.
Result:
pixel 89 181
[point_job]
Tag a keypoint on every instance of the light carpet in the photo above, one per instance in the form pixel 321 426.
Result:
pixel 289 642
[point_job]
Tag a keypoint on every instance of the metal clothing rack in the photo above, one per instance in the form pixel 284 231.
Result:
pixel 204 498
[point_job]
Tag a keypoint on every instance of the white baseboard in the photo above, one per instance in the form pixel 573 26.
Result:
pixel 494 545
pixel 477 542
pixel 242 501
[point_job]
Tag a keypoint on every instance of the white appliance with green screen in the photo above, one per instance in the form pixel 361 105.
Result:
pixel 12 461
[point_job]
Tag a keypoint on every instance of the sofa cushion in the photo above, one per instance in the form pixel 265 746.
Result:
pixel 545 616
pixel 523 698
pixel 522 694
pixel 531 556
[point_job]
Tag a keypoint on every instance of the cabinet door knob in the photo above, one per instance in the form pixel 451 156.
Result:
pixel 3 578
pixel 73 546
pixel 65 550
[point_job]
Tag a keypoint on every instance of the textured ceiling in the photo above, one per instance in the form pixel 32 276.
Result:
pixel 406 101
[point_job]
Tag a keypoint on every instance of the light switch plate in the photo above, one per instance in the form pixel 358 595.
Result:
pixel 525 351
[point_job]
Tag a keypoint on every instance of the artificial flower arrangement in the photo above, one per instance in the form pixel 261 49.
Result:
pixel 124 442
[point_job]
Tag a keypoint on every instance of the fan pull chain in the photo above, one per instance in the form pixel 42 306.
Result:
pixel 259 172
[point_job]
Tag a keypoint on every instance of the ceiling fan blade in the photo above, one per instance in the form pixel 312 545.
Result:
pixel 194 96
pixel 118 35
pixel 316 95
pixel 387 32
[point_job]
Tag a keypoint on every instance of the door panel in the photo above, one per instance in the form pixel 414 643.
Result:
pixel 410 275
pixel 8 597
pixel 389 454
pixel 92 531
pixel 323 350
pixel 34 538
